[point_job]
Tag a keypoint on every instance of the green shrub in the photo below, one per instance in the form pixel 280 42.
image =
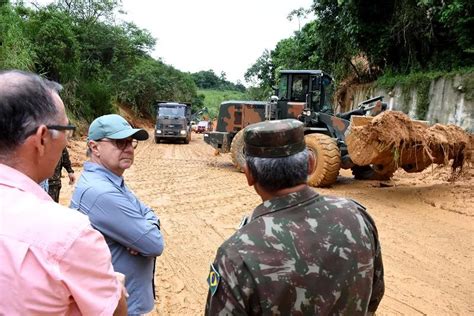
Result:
pixel 16 50
pixel 95 99
pixel 213 99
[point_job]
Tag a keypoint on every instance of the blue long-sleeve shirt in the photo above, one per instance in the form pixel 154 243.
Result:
pixel 125 223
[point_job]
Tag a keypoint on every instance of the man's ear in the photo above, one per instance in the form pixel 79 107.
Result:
pixel 311 162
pixel 93 147
pixel 40 139
pixel 249 176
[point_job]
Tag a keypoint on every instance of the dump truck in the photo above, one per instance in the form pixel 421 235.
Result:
pixel 306 95
pixel 173 122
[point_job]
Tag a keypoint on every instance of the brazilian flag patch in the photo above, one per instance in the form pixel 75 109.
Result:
pixel 213 280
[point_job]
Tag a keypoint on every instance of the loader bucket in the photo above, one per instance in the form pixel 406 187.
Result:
pixel 392 138
pixel 358 120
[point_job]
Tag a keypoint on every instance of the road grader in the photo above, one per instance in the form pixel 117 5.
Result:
pixel 306 95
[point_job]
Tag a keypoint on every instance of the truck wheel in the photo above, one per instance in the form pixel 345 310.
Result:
pixel 237 150
pixel 157 140
pixel 374 172
pixel 328 159
pixel 188 138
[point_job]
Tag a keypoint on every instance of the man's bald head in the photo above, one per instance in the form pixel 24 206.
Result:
pixel 26 101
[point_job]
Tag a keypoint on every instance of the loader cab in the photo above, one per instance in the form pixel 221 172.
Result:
pixel 311 86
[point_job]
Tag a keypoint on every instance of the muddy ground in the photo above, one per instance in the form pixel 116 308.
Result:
pixel 426 226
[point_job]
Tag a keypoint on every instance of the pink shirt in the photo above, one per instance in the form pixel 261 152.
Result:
pixel 51 260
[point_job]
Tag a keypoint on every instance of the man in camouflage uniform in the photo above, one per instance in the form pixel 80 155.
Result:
pixel 55 181
pixel 299 253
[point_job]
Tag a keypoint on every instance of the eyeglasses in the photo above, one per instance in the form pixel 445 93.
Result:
pixel 121 143
pixel 68 129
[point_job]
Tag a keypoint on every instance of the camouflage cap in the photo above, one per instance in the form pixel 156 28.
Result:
pixel 273 139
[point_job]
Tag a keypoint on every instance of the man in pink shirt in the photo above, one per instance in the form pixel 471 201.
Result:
pixel 51 260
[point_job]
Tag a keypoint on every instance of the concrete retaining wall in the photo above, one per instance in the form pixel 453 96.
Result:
pixel 447 101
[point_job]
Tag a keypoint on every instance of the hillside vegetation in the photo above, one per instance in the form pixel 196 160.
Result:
pixel 99 61
pixel 360 41
pixel 103 62
pixel 213 98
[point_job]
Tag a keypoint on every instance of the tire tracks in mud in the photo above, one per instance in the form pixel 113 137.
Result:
pixel 427 244
pixel 200 200
pixel 427 250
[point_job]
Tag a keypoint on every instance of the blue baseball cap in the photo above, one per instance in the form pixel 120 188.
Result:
pixel 114 126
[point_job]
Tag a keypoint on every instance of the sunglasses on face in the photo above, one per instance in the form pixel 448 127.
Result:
pixel 121 143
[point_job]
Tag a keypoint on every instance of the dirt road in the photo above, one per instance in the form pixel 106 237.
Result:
pixel 426 227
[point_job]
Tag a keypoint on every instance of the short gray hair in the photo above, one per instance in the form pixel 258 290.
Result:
pixel 279 173
pixel 26 101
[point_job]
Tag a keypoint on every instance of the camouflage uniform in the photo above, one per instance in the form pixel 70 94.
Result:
pixel 55 181
pixel 299 254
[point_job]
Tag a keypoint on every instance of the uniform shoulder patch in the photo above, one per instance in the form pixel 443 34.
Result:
pixel 213 279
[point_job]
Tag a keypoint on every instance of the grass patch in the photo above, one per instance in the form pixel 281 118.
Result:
pixel 213 98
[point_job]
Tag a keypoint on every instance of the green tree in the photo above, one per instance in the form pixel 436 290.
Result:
pixel 299 13
pixel 55 44
pixel 91 11
pixel 93 98
pixel 209 80
pixel 408 35
pixel 261 72
pixel 458 16
pixel 150 81
pixel 16 50
pixel 98 61
pixel 362 39
pixel 206 79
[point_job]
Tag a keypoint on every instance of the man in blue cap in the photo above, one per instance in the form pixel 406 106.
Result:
pixel 131 228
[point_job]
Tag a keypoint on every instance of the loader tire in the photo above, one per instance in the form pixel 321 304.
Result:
pixel 237 151
pixel 328 160
pixel 373 172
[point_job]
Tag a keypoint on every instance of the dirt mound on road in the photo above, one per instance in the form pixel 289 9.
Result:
pixel 393 138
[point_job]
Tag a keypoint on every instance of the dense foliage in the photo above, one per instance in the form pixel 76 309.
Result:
pixel 101 61
pixel 98 60
pixel 363 39
pixel 209 80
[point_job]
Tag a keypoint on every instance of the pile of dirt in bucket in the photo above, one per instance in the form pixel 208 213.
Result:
pixel 392 138
pixel 449 142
